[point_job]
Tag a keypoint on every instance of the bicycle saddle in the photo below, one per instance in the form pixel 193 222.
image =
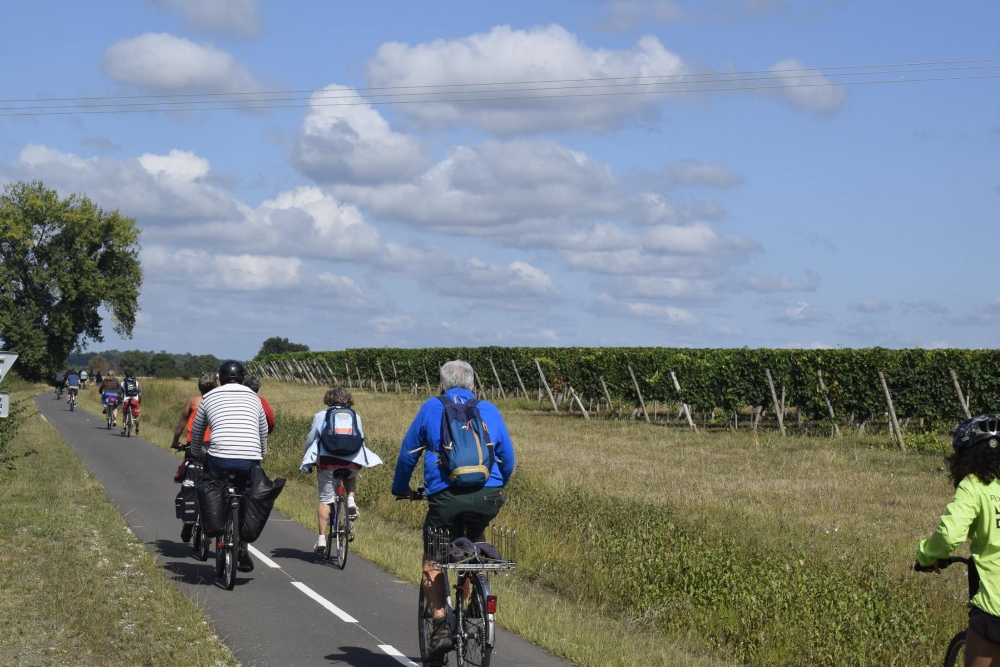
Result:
pixel 342 473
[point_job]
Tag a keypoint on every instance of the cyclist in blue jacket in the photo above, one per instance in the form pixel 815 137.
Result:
pixel 445 500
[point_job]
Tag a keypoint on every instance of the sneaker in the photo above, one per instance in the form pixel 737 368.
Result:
pixel 320 547
pixel 352 509
pixel 245 562
pixel 440 640
pixel 186 532
pixel 123 430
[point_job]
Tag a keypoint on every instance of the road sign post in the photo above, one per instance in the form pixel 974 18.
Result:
pixel 7 360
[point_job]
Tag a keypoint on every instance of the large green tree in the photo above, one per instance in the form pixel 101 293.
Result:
pixel 276 345
pixel 61 260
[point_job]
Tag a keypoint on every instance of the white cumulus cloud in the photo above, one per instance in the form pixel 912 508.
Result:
pixel 162 63
pixel 701 174
pixel 504 55
pixel 231 16
pixel 807 89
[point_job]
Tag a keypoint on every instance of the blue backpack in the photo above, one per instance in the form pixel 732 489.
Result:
pixel 466 450
pixel 340 436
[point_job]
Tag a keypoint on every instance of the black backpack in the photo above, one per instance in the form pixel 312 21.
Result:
pixel 131 387
pixel 340 436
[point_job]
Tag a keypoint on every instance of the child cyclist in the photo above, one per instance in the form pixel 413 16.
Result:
pixel 336 428
pixel 975 471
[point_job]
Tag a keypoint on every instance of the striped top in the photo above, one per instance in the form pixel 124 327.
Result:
pixel 236 417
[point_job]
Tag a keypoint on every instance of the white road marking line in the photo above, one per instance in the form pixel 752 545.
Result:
pixel 43 416
pixel 267 561
pixel 334 609
pixel 400 658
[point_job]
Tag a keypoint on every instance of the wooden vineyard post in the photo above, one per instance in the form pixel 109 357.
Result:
pixel 607 395
pixel 496 376
pixel 687 410
pixel 586 416
pixel 381 375
pixel 480 389
pixel 518 376
pixel 826 397
pixel 427 379
pixel 958 390
pixel 774 401
pixel 545 382
pixel 347 369
pixel 358 372
pixel 894 423
pixel 638 393
pixel 395 375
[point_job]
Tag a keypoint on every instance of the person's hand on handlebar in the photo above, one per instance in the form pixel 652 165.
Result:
pixel 411 494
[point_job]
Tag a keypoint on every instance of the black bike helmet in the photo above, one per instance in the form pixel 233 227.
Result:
pixel 231 371
pixel 254 383
pixel 982 429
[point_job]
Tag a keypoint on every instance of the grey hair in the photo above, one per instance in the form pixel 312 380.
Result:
pixel 457 373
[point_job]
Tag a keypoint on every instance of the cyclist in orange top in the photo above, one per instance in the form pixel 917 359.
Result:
pixel 206 383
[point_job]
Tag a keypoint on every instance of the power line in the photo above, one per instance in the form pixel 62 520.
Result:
pixel 86 111
pixel 339 94
pixel 784 72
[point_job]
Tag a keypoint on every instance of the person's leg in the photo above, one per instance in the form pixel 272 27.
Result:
pixel 351 485
pixel 980 652
pixel 327 487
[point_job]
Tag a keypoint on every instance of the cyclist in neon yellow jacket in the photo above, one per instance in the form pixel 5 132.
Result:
pixel 974 514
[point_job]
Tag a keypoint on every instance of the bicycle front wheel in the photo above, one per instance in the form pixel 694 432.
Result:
pixel 477 625
pixel 955 655
pixel 128 424
pixel 342 531
pixel 201 542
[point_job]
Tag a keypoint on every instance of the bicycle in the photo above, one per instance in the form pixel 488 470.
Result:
pixel 471 616
pixel 954 656
pixel 200 542
pixel 227 547
pixel 128 421
pixel 339 529
pixel 109 407
pixel 72 400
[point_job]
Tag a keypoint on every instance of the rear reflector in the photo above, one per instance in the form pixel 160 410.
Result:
pixel 491 604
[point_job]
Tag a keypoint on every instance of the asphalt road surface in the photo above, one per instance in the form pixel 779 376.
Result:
pixel 290 610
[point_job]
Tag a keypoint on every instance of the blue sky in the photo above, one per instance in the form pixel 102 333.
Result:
pixel 791 216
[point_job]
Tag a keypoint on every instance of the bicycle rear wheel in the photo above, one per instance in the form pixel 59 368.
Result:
pixel 201 542
pixel 128 424
pixel 475 625
pixel 232 548
pixel 425 626
pixel 342 531
pixel 330 531
pixel 955 655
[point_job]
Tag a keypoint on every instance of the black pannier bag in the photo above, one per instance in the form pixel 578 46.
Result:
pixel 257 503
pixel 211 501
pixel 186 504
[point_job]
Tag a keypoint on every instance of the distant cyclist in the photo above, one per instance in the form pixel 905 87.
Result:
pixel 472 488
pixel 59 380
pixel 109 391
pixel 83 379
pixel 239 433
pixel 131 397
pixel 72 384
pixel 974 468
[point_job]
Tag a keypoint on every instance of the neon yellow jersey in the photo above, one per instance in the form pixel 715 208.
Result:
pixel 974 514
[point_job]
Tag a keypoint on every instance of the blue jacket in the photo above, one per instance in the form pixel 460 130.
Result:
pixel 424 437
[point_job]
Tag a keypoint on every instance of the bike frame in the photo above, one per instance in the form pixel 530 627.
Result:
pixel 224 549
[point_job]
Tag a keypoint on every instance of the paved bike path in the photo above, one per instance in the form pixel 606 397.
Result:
pixel 290 610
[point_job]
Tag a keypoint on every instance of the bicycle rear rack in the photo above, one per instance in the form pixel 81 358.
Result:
pixel 438 547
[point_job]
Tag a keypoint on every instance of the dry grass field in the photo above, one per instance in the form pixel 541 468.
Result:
pixel 643 544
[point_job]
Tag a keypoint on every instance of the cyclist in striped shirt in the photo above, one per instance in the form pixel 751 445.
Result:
pixel 239 432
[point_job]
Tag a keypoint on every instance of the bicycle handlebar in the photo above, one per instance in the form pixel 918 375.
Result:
pixel 942 563
pixel 417 495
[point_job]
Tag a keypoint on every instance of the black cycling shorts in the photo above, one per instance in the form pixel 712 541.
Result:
pixel 444 508
pixel 985 625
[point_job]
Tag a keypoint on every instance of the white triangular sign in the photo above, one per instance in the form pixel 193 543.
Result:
pixel 7 360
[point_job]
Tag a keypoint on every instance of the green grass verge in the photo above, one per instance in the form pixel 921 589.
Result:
pixel 76 586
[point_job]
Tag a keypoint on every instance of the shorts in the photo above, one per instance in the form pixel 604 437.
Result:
pixel 73 389
pixel 444 507
pixel 985 625
pixel 328 484
pixel 133 402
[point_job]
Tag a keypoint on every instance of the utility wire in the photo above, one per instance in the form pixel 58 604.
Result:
pixel 248 106
pixel 695 77
pixel 340 94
